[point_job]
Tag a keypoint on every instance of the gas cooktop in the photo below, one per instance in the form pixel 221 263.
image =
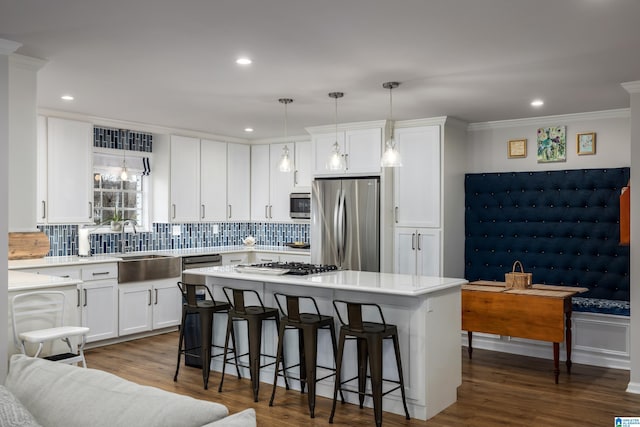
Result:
pixel 293 268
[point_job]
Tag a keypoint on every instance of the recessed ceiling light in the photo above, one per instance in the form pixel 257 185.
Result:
pixel 243 61
pixel 248 129
pixel 537 103
pixel 67 97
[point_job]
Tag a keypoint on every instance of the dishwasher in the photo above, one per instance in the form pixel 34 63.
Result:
pixel 192 322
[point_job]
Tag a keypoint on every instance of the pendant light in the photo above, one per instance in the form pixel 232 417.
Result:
pixel 391 157
pixel 285 160
pixel 336 159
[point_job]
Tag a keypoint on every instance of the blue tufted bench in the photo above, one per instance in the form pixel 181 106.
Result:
pixel 562 225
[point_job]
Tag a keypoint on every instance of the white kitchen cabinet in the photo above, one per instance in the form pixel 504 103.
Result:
pixel 360 147
pixel 238 182
pixel 417 182
pixel 417 251
pixel 99 301
pixel 185 179
pixel 302 166
pixel 149 305
pixel 270 188
pixel 235 258
pixel 65 159
pixel 213 180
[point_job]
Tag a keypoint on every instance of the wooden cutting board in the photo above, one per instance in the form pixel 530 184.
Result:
pixel 28 245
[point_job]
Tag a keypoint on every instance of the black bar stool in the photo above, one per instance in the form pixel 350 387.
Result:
pixel 205 308
pixel 369 337
pixel 254 315
pixel 307 325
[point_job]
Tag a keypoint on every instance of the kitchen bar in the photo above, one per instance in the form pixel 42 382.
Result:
pixel 425 309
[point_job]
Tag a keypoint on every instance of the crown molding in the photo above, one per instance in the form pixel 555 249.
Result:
pixel 544 120
pixel 346 126
pixel 27 62
pixel 282 140
pixel 7 47
pixel 632 87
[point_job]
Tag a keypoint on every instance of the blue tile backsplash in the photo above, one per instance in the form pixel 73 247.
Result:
pixel 64 238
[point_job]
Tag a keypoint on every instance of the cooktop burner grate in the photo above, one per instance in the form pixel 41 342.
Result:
pixel 297 268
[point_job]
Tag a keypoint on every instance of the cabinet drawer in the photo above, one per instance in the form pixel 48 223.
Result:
pixel 234 259
pixel 100 272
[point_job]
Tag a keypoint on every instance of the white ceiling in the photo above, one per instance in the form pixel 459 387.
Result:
pixel 172 63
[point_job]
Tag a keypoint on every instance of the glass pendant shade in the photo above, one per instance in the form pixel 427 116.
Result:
pixel 124 175
pixel 285 161
pixel 391 157
pixel 336 160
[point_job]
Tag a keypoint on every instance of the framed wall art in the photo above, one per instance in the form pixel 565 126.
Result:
pixel 517 148
pixel 552 144
pixel 586 143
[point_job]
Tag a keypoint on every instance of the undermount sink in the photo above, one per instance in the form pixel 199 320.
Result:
pixel 137 268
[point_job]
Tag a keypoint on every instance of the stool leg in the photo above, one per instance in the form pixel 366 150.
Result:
pixel 284 361
pixel 337 384
pixel 363 357
pixel 332 331
pixel 278 360
pixel 303 362
pixel 226 348
pixel 206 324
pixel 180 342
pixel 235 352
pixel 396 346
pixel 255 340
pixel 310 334
pixel 375 361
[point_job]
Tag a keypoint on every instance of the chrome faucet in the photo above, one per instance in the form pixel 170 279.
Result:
pixel 124 248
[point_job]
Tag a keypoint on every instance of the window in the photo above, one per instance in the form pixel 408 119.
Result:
pixel 115 199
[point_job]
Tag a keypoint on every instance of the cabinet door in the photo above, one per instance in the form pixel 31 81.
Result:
pixel 235 259
pixel 135 306
pixel 185 179
pixel 405 251
pixel 100 309
pixel 238 182
pixel 417 182
pixel 213 180
pixel 41 162
pixel 428 252
pixel 69 171
pixel 302 166
pixel 167 304
pixel 322 149
pixel 280 186
pixel 363 148
pixel 260 182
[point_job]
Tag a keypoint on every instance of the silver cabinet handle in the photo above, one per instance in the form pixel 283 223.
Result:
pixel 90 210
pixel 270 212
pixel 44 209
pixel 156 303
pixel 266 211
pixel 173 207
pixel 78 297
pixel 235 260
pixel 413 241
pixel 85 297
pixel 229 211
pixel 202 211
pixel 295 177
pixel 100 273
pixel 346 161
pixel 395 214
pixel 149 297
pixel 419 238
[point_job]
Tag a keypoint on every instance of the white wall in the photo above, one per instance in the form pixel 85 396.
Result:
pixel 487 142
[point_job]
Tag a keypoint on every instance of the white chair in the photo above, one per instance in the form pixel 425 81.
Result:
pixel 38 317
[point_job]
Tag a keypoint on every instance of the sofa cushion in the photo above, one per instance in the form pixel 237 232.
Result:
pixel 12 413
pixel 60 395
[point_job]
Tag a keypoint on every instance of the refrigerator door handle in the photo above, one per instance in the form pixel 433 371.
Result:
pixel 336 226
pixel 343 228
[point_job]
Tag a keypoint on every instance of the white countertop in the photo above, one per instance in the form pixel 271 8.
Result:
pixel 22 281
pixel 362 281
pixel 58 261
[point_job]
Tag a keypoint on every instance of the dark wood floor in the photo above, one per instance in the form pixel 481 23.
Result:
pixel 497 389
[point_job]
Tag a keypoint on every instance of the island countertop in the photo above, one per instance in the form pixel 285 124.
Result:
pixel 365 281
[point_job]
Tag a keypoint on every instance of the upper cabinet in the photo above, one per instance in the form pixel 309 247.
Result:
pixel 302 166
pixel 417 182
pixel 360 146
pixel 270 188
pixel 200 180
pixel 64 171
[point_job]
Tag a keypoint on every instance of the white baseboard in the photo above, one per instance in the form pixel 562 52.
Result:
pixel 597 340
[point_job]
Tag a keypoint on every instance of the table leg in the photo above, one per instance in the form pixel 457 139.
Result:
pixel 568 340
pixel 469 347
pixel 556 360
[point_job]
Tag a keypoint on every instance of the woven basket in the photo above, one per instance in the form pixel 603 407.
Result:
pixel 518 279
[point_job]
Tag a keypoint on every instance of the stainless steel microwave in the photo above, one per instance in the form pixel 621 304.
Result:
pixel 300 205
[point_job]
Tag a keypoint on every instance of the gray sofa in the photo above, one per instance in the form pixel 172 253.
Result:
pixel 40 392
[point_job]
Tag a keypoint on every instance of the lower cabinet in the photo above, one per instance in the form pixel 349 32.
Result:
pixel 98 298
pixel 149 305
pixel 417 251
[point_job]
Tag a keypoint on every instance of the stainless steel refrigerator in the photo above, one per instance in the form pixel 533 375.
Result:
pixel 345 223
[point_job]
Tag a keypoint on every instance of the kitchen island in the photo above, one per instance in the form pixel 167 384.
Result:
pixel 426 311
